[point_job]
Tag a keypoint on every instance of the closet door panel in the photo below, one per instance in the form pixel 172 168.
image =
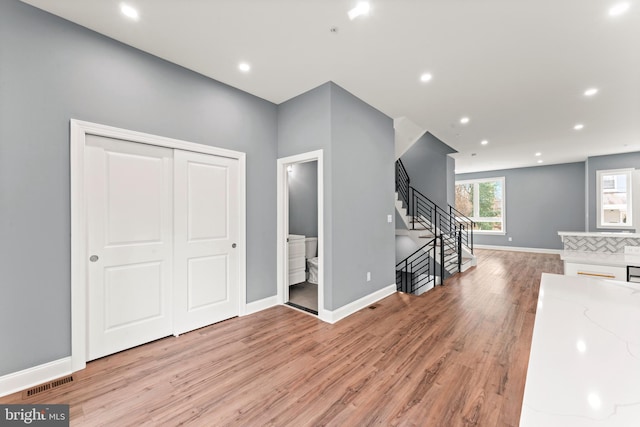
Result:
pixel 206 233
pixel 130 242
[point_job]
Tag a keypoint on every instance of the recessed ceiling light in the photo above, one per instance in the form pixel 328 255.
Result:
pixel 579 126
pixel 540 161
pixel 484 142
pixel 591 91
pixel 361 9
pixel 464 120
pixel 425 77
pixel 538 154
pixel 244 67
pixel 129 11
pixel 619 9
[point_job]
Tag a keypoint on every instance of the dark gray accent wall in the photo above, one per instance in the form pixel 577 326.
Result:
pixel 303 199
pixel 51 71
pixel 540 201
pixel 358 144
pixel 429 168
pixel 596 163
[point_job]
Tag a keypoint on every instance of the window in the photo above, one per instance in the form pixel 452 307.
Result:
pixel 614 198
pixel 482 200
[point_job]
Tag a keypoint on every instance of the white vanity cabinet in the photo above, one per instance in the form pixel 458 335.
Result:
pixel 595 270
pixel 297 260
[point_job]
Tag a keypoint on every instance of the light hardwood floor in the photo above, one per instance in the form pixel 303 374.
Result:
pixel 455 356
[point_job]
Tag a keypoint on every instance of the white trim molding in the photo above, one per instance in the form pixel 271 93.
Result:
pixel 283 227
pixel 519 249
pixel 259 305
pixel 79 131
pixel 359 304
pixel 31 377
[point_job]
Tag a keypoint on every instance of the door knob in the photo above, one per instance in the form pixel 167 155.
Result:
pixel 233 246
pixel 93 258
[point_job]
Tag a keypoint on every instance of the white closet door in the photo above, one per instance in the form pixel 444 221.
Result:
pixel 130 233
pixel 206 232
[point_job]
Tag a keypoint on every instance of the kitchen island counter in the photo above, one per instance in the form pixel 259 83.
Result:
pixel 584 365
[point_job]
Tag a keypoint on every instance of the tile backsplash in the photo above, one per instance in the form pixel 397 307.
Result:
pixel 599 244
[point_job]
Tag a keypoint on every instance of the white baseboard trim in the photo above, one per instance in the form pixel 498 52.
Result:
pixel 518 249
pixel 352 307
pixel 261 304
pixel 21 380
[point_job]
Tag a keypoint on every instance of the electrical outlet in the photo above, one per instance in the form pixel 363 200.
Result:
pixel 368 276
pixel 511 239
pixel 389 219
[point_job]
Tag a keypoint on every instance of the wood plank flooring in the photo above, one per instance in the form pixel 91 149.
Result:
pixel 454 356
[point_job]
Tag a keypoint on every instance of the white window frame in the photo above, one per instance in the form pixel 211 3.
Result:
pixel 476 204
pixel 600 174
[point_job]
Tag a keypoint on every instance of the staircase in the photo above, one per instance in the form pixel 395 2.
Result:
pixel 445 238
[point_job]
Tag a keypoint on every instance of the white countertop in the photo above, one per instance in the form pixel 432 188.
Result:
pixel 620 234
pixel 584 367
pixel 601 258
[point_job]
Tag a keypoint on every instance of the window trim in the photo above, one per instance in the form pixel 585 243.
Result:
pixel 604 172
pixel 476 202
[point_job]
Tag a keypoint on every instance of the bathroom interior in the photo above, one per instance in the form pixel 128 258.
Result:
pixel 302 179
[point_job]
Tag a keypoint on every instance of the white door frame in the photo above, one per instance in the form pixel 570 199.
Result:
pixel 79 255
pixel 283 227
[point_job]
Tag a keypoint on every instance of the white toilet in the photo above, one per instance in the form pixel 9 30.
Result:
pixel 311 253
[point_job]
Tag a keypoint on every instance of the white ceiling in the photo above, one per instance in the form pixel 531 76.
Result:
pixel 516 68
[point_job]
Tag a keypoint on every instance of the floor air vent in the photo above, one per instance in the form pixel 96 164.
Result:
pixel 47 386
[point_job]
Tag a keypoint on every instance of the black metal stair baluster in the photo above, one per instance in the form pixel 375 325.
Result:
pixel 441 261
pixel 472 227
pixel 412 288
pixel 452 228
pixel 416 208
pixel 460 249
pixel 415 265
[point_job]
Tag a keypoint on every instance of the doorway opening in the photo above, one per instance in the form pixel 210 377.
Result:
pixel 300 233
pixel 302 237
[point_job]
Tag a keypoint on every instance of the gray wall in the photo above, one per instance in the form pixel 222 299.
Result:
pixel 363 174
pixel 304 124
pixel 52 71
pixel 540 201
pixel 594 164
pixel 430 168
pixel 405 246
pixel 451 181
pixel 303 199
pixel 358 144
